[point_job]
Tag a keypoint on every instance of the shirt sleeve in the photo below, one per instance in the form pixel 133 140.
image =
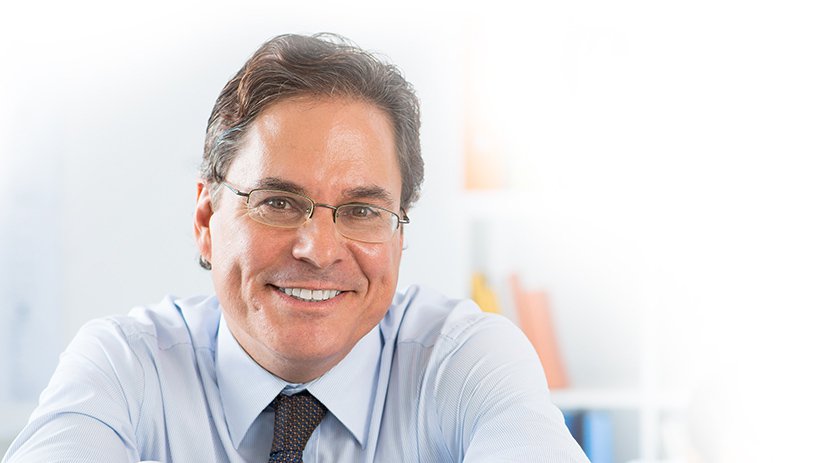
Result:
pixel 90 408
pixel 493 400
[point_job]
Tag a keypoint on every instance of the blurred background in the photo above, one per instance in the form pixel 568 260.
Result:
pixel 649 168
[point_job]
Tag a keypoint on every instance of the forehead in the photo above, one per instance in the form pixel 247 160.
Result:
pixel 322 145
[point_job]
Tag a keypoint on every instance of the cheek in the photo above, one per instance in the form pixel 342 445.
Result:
pixel 380 264
pixel 234 257
pixel 235 243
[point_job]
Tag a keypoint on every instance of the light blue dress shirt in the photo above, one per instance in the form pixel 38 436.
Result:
pixel 436 381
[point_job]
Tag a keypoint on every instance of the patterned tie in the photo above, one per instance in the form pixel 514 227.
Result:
pixel 295 418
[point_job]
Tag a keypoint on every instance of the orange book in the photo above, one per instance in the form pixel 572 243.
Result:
pixel 536 322
pixel 485 157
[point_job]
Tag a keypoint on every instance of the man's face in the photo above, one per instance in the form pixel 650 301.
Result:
pixel 335 151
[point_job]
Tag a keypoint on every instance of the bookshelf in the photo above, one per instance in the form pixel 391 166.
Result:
pixel 517 231
pixel 617 399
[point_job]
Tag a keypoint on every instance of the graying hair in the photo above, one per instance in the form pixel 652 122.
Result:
pixel 290 66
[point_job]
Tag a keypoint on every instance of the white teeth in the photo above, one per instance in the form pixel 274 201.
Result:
pixel 311 295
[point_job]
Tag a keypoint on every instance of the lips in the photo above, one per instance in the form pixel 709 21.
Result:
pixel 310 295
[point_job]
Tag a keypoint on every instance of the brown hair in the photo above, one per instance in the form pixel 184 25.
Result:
pixel 320 65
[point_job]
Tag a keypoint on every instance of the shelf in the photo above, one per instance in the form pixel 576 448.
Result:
pixel 575 399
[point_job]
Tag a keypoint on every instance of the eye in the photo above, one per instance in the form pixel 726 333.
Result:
pixel 274 202
pixel 277 203
pixel 278 208
pixel 360 212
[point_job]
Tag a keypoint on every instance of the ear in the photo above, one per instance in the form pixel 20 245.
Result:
pixel 202 220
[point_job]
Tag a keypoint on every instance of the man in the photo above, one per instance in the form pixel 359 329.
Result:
pixel 306 352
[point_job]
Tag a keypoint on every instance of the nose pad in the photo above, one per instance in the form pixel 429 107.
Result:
pixel 326 206
pixel 318 241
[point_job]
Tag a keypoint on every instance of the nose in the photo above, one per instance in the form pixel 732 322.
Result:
pixel 318 242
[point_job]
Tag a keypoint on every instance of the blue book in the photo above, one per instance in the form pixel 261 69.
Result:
pixel 597 432
pixel 573 421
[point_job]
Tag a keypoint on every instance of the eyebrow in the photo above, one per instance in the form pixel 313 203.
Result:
pixel 363 193
pixel 276 183
pixel 371 193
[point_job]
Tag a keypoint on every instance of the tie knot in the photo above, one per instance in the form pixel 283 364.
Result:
pixel 295 418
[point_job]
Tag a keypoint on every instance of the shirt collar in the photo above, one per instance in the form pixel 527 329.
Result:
pixel 350 384
pixel 246 388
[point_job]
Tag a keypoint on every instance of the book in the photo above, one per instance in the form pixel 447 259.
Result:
pixel 536 322
pixel 593 430
pixel 486 156
pixel 483 294
pixel 597 436
pixel 573 421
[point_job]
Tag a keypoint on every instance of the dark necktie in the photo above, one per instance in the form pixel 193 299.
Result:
pixel 295 418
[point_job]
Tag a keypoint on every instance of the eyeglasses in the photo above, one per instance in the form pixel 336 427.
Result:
pixel 357 221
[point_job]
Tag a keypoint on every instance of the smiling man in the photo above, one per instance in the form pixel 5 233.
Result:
pixel 300 282
pixel 306 352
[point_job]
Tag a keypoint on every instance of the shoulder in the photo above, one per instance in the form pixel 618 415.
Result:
pixel 473 373
pixel 116 356
pixel 122 374
pixel 442 339
pixel 148 330
pixel 423 316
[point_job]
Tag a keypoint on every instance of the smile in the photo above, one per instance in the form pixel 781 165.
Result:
pixel 313 295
